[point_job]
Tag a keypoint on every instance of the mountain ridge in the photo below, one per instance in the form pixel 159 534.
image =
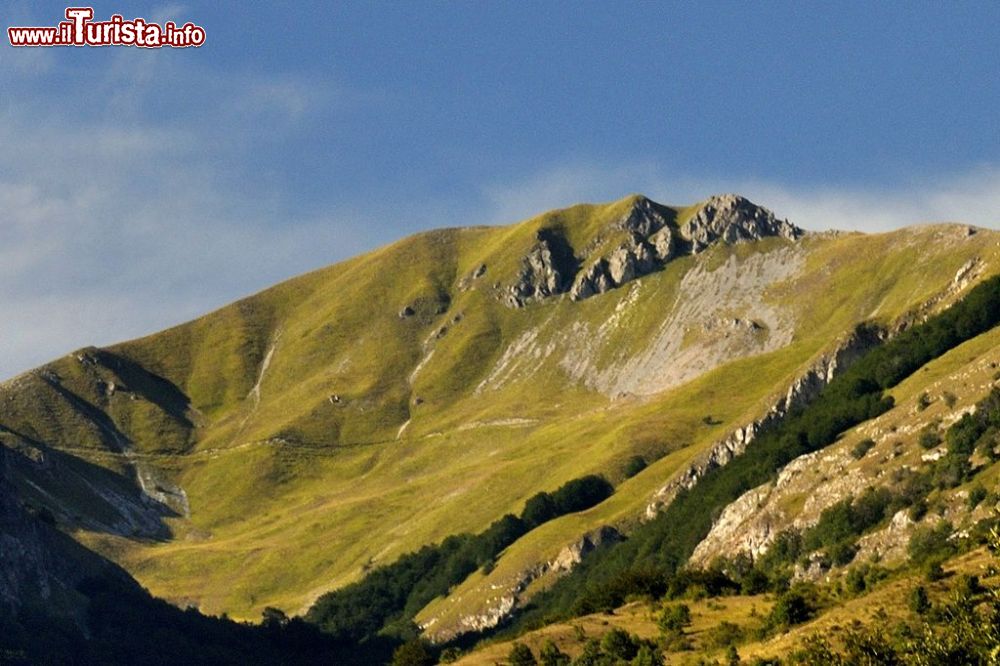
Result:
pixel 285 401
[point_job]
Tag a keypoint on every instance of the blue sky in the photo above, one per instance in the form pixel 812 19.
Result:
pixel 141 188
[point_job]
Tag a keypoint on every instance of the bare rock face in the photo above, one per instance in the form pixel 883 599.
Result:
pixel 547 270
pixel 651 244
pixel 500 607
pixel 573 554
pixel 552 267
pixel 655 239
pixel 645 218
pixel 594 280
pixel 801 392
pixel 732 219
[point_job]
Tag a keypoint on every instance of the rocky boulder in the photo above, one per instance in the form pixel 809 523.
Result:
pixel 653 238
pixel 733 219
pixel 547 270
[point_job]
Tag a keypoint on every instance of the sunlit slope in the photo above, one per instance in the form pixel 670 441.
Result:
pixel 295 438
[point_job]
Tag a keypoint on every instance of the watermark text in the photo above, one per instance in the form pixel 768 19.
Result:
pixel 80 29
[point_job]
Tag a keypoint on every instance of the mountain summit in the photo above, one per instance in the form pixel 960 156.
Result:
pixel 643 239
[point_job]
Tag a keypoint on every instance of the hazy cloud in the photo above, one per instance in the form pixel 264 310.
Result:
pixel 117 222
pixel 972 197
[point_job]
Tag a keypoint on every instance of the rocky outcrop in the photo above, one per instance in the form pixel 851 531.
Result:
pixel 547 270
pixel 503 605
pixel 801 392
pixel 733 219
pixel 655 240
pixel 652 239
pixel 624 264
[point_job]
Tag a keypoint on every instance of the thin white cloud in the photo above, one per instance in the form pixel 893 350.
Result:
pixel 116 222
pixel 132 231
pixel 972 197
pixel 968 198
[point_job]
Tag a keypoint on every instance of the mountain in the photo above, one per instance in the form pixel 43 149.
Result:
pixel 297 440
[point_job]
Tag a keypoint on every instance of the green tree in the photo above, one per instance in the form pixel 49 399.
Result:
pixel 647 655
pixel 861 448
pixel 592 654
pixel 413 653
pixel 539 509
pixel 619 644
pixel 521 655
pixel 928 543
pixel 551 655
pixel 919 602
pixel 633 466
pixel 450 655
pixel 273 617
pixel 674 617
pixel 790 609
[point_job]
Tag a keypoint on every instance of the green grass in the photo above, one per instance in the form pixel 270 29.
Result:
pixel 295 495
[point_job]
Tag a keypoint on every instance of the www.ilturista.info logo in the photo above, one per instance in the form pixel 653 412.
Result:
pixel 80 30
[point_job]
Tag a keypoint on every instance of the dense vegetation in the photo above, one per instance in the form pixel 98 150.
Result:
pixel 616 648
pixel 644 563
pixel 965 629
pixel 385 601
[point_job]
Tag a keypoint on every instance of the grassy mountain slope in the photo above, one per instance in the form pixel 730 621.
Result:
pixel 879 607
pixel 281 446
pixel 886 562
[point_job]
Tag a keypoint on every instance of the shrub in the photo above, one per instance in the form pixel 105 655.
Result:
pixel 674 618
pixel 521 655
pixel 725 634
pixel 647 655
pixel 963 435
pixel 450 655
pixel 841 523
pixel 933 571
pixel 919 602
pixel 968 586
pixel 924 401
pixel 592 654
pixel 861 448
pixel 929 436
pixel 918 511
pixel 842 553
pixel 539 509
pixel 633 466
pixel 930 542
pixel 976 495
pixel 951 471
pixel 273 617
pixel 583 493
pixel 987 444
pixel 914 487
pixel 619 644
pixel 413 653
pixel 790 609
pixel 855 580
pixel 551 655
